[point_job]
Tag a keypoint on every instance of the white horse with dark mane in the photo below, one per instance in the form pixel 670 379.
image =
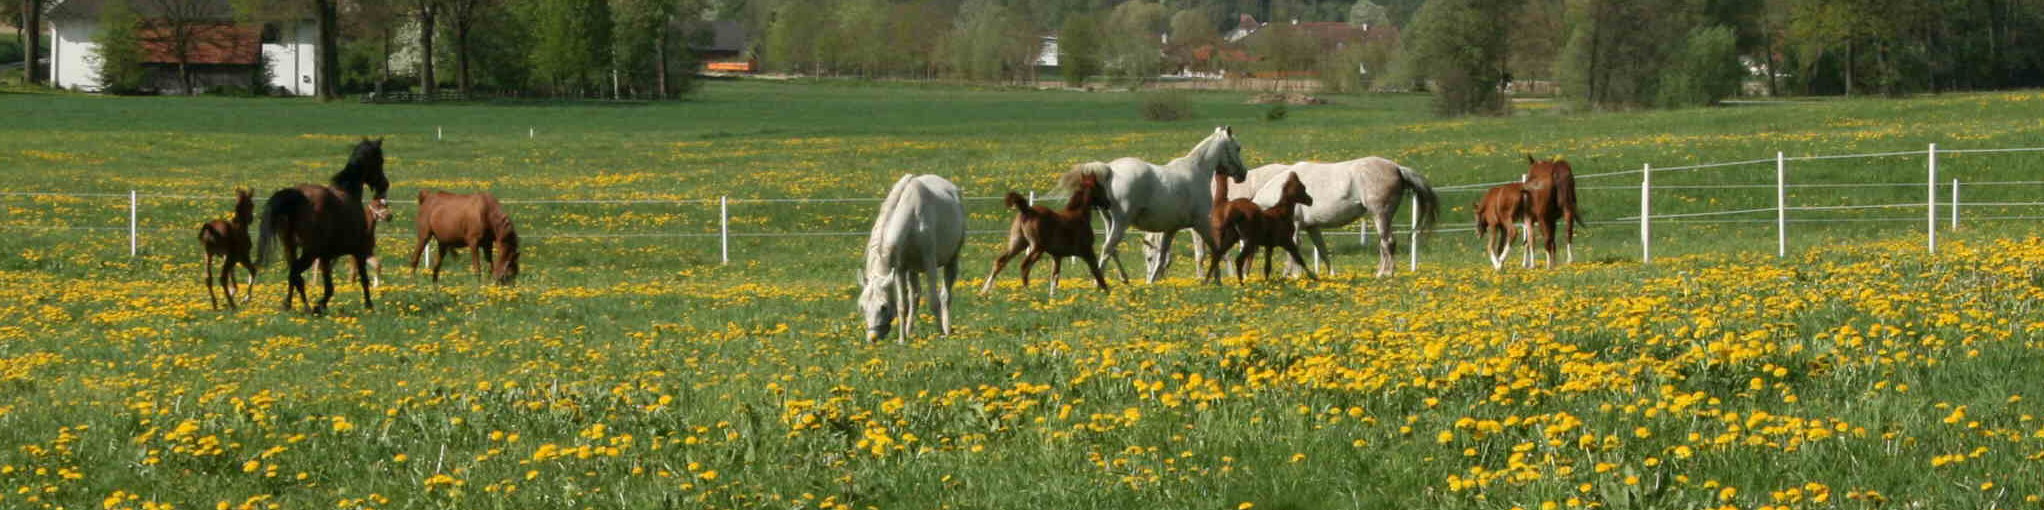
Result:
pixel 1162 199
pixel 920 230
pixel 1343 193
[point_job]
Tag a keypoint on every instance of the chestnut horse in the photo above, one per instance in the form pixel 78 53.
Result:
pixel 1551 195
pixel 1267 228
pixel 1499 216
pixel 228 240
pixel 1061 233
pixel 318 224
pixel 474 221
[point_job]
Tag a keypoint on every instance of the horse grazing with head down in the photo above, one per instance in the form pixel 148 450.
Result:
pixel 1268 228
pixel 1162 199
pixel 228 240
pixel 920 230
pixel 1061 233
pixel 1499 216
pixel 318 224
pixel 1551 197
pixel 475 221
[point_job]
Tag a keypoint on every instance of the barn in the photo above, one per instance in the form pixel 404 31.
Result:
pixel 204 34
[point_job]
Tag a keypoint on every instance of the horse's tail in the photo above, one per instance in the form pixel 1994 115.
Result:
pixel 1565 193
pixel 1019 203
pixel 1070 179
pixel 278 209
pixel 1429 202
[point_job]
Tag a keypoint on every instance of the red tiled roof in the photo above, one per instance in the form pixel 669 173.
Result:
pixel 211 43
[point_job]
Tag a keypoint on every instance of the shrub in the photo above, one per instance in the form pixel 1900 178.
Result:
pixel 1705 71
pixel 1166 107
pixel 1276 112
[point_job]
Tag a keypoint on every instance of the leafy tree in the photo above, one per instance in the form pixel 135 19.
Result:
pixel 1705 71
pixel 119 54
pixel 1459 46
pixel 1134 34
pixel 570 43
pixel 1368 13
pixel 1078 47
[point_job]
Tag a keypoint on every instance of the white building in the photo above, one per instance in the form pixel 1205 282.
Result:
pixel 224 55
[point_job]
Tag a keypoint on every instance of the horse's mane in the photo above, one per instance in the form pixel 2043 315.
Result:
pixel 877 249
pixel 365 167
pixel 1070 179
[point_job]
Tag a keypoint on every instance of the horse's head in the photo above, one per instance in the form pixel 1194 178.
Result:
pixel 876 303
pixel 1087 194
pixel 505 269
pixel 1295 191
pixel 365 167
pixel 1227 153
pixel 1552 166
pixel 244 205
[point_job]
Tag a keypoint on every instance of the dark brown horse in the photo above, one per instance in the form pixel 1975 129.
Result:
pixel 318 224
pixel 1551 197
pixel 1267 228
pixel 1061 233
pixel 468 221
pixel 1499 216
pixel 1224 237
pixel 228 240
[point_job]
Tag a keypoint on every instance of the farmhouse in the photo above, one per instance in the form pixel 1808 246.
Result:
pixel 203 34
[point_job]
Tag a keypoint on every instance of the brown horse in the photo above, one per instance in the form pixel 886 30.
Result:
pixel 1224 237
pixel 1267 228
pixel 468 221
pixel 1498 218
pixel 1551 195
pixel 1061 233
pixel 228 240
pixel 318 224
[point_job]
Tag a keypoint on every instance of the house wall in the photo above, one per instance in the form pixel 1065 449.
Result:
pixel 293 58
pixel 72 65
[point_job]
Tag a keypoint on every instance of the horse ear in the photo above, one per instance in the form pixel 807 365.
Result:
pixel 1530 160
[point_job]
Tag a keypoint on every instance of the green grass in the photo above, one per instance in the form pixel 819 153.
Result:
pixel 102 356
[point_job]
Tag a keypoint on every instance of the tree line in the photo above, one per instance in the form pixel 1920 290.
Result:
pixel 1604 54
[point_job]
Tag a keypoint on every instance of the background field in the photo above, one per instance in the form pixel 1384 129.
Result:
pixel 631 372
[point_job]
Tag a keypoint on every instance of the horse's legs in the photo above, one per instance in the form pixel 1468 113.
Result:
pixel 294 271
pixel 248 290
pixel 950 279
pixel 1242 263
pixel 227 281
pixel 1016 244
pixel 418 251
pixel 375 271
pixel 1547 235
pixel 1117 228
pixel 437 261
pixel 362 275
pixel 937 295
pixel 1267 250
pixel 1028 262
pixel 1199 260
pixel 1526 236
pixel 1163 256
pixel 475 260
pixel 1320 251
pixel 1093 264
pixel 326 280
pixel 1057 268
pixel 1387 244
pixel 1293 249
pixel 209 283
pixel 1569 220
pixel 912 294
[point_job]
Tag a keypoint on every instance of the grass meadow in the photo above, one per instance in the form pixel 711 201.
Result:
pixel 629 369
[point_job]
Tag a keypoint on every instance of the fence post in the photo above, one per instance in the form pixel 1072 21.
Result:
pixel 724 228
pixel 1032 199
pixel 1780 205
pixel 1413 238
pixel 437 134
pixel 1646 210
pixel 1363 232
pixel 134 233
pixel 1955 204
pixel 1930 203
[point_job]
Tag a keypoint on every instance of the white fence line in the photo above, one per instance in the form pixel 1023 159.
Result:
pixel 1644 219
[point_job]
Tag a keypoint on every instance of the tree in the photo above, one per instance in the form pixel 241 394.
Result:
pixel 1617 48
pixel 32 45
pixel 1078 49
pixel 181 27
pixel 1705 71
pixel 982 41
pixel 427 13
pixel 570 43
pixel 376 21
pixel 1460 47
pixel 1367 13
pixel 1134 33
pixel 463 16
pixel 119 54
pixel 327 70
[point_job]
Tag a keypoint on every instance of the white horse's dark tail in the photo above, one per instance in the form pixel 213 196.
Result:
pixel 1429 202
pixel 1070 179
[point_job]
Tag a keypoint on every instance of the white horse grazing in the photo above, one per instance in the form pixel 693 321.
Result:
pixel 1162 199
pixel 920 229
pixel 1342 193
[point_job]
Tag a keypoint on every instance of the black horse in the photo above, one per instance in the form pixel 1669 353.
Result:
pixel 318 224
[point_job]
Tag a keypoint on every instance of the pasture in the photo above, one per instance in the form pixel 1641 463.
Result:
pixel 635 371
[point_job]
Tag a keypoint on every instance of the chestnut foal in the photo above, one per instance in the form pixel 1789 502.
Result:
pixel 1267 228
pixel 1500 217
pixel 1062 233
pixel 228 239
